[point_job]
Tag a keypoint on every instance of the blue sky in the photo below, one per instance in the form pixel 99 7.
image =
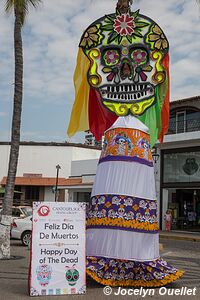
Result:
pixel 51 36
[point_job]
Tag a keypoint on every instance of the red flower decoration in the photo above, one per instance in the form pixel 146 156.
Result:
pixel 124 25
pixel 139 56
pixel 111 57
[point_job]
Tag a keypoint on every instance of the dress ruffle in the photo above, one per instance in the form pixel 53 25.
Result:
pixel 114 272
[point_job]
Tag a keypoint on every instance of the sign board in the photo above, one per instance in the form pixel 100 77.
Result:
pixel 58 249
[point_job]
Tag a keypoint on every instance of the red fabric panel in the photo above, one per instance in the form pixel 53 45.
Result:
pixel 100 118
pixel 165 109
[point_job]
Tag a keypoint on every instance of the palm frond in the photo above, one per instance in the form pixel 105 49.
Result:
pixel 35 3
pixel 9 5
pixel 22 6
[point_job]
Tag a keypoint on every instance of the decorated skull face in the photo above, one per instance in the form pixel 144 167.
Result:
pixel 94 201
pixel 126 52
pixel 159 275
pixel 44 274
pixel 102 213
pixel 101 200
pixel 139 217
pixel 121 141
pixel 112 213
pixel 143 204
pixel 116 200
pixel 128 202
pixel 130 215
pixel 143 144
pixel 72 275
pixel 152 205
pixel 153 219
pixel 121 212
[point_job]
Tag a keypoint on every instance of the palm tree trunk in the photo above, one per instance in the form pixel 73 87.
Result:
pixel 15 141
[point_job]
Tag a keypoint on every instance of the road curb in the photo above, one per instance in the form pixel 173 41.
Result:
pixel 176 237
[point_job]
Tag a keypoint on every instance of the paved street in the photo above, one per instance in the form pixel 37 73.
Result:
pixel 182 254
pixel 185 256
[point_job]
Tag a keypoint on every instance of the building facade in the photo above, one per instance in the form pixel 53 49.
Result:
pixel 91 141
pixel 179 173
pixel 36 173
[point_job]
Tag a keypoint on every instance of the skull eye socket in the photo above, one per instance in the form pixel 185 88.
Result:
pixel 139 56
pixel 69 276
pixel 76 275
pixel 111 57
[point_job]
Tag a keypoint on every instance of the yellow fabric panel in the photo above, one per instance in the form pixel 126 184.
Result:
pixel 79 120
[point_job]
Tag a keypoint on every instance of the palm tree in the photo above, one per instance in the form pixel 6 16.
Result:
pixel 20 9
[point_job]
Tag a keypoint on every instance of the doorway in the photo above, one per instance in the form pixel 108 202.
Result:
pixel 184 205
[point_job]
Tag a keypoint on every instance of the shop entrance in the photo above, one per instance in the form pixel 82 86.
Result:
pixel 184 205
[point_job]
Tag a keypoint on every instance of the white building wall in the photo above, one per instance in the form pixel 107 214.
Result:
pixel 191 138
pixel 84 153
pixel 4 160
pixel 49 196
pixel 43 159
pixel 84 167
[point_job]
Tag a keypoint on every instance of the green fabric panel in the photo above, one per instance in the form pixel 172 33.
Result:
pixel 152 117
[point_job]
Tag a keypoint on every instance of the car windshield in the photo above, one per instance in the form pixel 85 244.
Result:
pixel 27 211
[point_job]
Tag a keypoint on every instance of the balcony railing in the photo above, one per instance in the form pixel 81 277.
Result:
pixel 184 126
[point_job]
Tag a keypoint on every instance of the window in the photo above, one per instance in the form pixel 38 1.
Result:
pixel 181 167
pixel 180 121
pixel 32 193
pixel 16 212
pixel 184 120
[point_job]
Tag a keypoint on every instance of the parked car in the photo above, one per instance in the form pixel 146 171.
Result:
pixel 20 211
pixel 21 229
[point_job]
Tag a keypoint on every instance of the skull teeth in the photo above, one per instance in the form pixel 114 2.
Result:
pixel 125 88
pixel 126 92
pixel 125 96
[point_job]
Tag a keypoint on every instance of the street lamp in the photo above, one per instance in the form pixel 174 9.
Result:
pixel 155 155
pixel 58 167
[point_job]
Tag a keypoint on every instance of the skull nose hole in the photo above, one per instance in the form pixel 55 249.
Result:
pixel 125 70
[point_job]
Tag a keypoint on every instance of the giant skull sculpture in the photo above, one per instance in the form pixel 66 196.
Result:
pixel 126 52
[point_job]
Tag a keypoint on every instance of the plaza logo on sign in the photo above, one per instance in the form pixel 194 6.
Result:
pixel 43 211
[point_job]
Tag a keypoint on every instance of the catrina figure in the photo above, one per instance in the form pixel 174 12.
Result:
pixel 122 93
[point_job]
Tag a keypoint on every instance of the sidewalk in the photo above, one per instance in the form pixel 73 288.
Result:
pixel 180 235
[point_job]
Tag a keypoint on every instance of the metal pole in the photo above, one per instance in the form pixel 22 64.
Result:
pixel 56 189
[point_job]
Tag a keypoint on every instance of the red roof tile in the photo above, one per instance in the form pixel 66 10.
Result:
pixel 44 181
